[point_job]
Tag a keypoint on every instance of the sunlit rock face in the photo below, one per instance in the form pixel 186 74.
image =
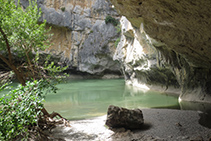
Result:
pixel 181 30
pixel 140 64
pixel 80 35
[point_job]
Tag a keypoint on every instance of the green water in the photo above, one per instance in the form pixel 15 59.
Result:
pixel 80 99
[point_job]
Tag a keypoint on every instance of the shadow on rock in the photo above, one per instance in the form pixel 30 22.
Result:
pixel 118 117
pixel 205 119
pixel 205 114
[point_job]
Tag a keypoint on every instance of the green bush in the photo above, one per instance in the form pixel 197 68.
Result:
pixel 21 108
pixel 22 34
pixel 117 42
pixel 91 31
pixel 118 28
pixel 111 20
pixel 63 9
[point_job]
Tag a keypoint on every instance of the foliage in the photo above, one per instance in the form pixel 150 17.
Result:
pixel 91 31
pixel 21 28
pixel 111 20
pixel 21 109
pixel 21 35
pixel 117 42
pixel 63 9
pixel 53 70
pixel 117 25
pixel 118 28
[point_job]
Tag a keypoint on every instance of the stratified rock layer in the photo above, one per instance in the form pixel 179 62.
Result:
pixel 181 30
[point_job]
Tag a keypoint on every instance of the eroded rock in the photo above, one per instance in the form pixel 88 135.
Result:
pixel 181 31
pixel 118 117
pixel 142 63
pixel 81 37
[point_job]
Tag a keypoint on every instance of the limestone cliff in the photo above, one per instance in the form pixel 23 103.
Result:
pixel 180 31
pixel 140 63
pixel 81 38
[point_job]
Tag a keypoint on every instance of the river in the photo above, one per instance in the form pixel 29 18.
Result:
pixel 82 99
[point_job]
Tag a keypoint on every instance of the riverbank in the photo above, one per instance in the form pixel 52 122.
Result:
pixel 160 124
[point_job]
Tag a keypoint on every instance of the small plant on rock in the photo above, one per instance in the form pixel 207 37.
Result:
pixel 111 20
pixel 117 42
pixel 63 9
pixel 118 28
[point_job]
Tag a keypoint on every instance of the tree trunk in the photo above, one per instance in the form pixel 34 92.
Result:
pixel 19 75
pixel 9 62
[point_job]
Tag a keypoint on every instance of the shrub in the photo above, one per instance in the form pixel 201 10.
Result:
pixel 63 9
pixel 117 42
pixel 111 20
pixel 118 28
pixel 91 31
pixel 21 108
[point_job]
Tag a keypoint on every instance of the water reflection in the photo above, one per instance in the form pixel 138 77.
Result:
pixel 80 99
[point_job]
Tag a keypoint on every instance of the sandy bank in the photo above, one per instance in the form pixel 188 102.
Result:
pixel 160 124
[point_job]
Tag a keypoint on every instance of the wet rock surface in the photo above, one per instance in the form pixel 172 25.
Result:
pixel 118 117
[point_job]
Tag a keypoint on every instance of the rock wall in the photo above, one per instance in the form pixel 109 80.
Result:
pixel 180 31
pixel 140 61
pixel 81 37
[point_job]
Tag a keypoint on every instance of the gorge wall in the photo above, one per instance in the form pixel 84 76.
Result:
pixel 163 43
pixel 179 33
pixel 81 38
pixel 141 63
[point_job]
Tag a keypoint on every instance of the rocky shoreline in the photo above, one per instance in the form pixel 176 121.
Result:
pixel 159 124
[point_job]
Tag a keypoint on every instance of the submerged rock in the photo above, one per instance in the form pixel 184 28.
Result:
pixel 118 117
